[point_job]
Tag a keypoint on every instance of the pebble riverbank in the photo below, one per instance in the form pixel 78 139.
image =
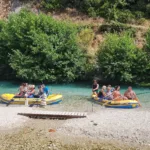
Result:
pixel 9 118
pixel 129 126
pixel 108 129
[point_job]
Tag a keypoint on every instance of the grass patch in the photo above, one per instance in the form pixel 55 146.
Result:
pixel 114 27
pixel 145 84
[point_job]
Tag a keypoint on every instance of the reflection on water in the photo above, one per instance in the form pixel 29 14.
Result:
pixel 80 90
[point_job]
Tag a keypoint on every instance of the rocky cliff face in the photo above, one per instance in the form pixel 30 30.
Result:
pixel 5 6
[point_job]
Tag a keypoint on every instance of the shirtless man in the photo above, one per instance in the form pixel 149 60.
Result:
pixel 117 95
pixel 130 94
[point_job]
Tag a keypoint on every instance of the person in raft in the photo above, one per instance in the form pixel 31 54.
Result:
pixel 45 89
pixel 40 92
pixel 31 91
pixel 95 87
pixel 109 93
pixel 102 93
pixel 22 90
pixel 130 94
pixel 111 88
pixel 117 95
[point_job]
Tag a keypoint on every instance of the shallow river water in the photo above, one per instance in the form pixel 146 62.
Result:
pixel 77 94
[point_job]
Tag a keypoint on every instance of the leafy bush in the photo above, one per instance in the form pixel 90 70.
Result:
pixel 139 14
pixel 118 10
pixel 120 60
pixel 113 27
pixel 141 21
pixel 1 25
pixel 52 4
pixel 125 16
pixel 147 49
pixel 145 84
pixel 5 71
pixel 41 48
pixel 147 45
pixel 85 37
pixel 148 9
pixel 141 67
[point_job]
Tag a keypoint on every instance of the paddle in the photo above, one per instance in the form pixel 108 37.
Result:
pixel 138 101
pixel 12 100
pixel 106 99
pixel 9 102
pixel 35 103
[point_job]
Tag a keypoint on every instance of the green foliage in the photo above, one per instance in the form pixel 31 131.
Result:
pixel 5 70
pixel 40 48
pixel 147 49
pixel 139 14
pixel 52 4
pixel 117 10
pixel 145 84
pixel 85 37
pixel 114 27
pixel 2 23
pixel 125 16
pixel 141 21
pixel 148 9
pixel 147 45
pixel 120 60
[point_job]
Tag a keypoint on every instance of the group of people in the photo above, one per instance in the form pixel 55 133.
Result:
pixel 109 93
pixel 28 91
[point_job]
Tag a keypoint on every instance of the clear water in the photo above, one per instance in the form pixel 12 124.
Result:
pixel 78 93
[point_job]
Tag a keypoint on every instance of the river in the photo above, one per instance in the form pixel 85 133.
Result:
pixel 77 94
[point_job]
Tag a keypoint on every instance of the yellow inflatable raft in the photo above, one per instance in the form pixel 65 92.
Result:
pixel 118 103
pixel 51 99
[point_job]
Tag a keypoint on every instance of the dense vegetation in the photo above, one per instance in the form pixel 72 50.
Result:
pixel 40 48
pixel 118 10
pixel 120 60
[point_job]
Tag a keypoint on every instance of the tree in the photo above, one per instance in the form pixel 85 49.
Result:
pixel 43 49
pixel 120 60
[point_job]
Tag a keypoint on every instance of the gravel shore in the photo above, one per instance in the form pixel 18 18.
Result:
pixel 103 128
pixel 129 126
pixel 9 118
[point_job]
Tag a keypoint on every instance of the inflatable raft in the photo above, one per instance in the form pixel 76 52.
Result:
pixel 126 104
pixel 51 99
